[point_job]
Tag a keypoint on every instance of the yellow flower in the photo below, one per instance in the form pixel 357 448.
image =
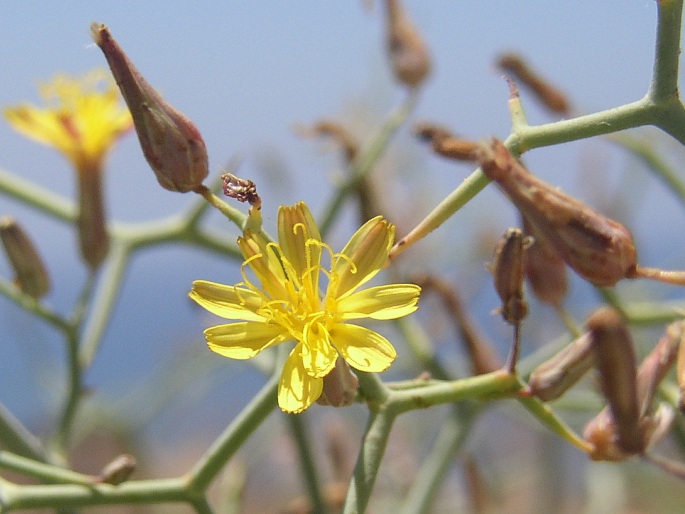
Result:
pixel 82 119
pixel 289 304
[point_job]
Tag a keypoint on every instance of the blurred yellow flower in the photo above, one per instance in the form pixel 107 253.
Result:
pixel 289 304
pixel 83 118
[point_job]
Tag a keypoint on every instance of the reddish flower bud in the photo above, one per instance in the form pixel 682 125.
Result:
pixel 553 377
pixel 408 52
pixel 549 95
pixel 171 142
pixel 599 249
pixel 32 277
pixel 507 270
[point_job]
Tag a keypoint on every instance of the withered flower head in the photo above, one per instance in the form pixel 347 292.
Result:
pixel 599 249
pixel 171 142
pixel 409 55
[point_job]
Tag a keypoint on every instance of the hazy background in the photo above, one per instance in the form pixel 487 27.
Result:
pixel 247 74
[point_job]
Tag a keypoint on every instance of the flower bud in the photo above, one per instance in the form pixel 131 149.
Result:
pixel 615 358
pixel 544 269
pixel 408 52
pixel 117 471
pixel 549 95
pixel 31 275
pixel 339 386
pixel 599 249
pixel 507 270
pixel 171 143
pixel 553 377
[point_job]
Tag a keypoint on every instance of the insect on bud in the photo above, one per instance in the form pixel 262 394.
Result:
pixel 549 95
pixel 31 275
pixel 599 249
pixel 408 53
pixel 171 143
pixel 339 386
pixel 507 270
pixel 554 377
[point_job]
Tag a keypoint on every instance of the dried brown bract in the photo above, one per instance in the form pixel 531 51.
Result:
pixel 550 96
pixel 446 144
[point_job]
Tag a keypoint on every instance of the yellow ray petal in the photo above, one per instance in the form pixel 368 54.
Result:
pixel 227 301
pixel 244 339
pixel 381 302
pixel 362 348
pixel 363 256
pixel 318 355
pixel 296 389
pixel 265 261
pixel 300 242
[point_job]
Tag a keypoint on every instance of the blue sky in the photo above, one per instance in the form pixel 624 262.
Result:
pixel 247 73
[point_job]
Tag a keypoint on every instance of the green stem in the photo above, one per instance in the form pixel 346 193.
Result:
pixel 37 197
pixel 308 467
pixel 452 435
pixel 369 461
pixel 18 439
pixel 41 471
pixel 211 463
pixel 366 159
pixel 667 55
pixel 72 495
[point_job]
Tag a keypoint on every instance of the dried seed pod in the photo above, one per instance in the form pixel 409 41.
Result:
pixel 507 270
pixel 171 143
pixel 616 364
pixel 553 377
pixel 599 249
pixel 550 96
pixel 544 269
pixel 31 275
pixel 408 52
